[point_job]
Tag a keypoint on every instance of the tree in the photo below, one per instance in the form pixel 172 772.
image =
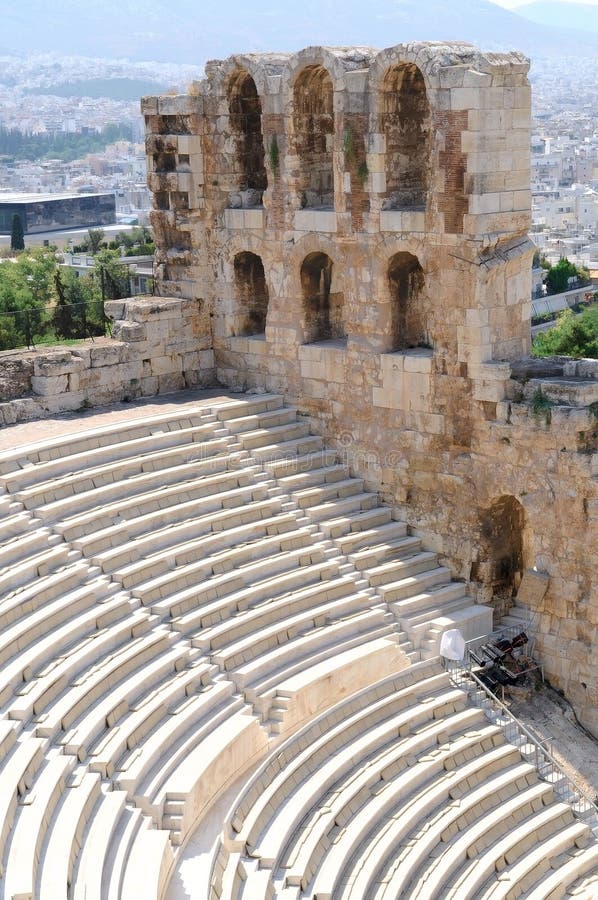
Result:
pixel 83 298
pixel 557 277
pixel 95 236
pixel 112 275
pixel 63 321
pixel 26 287
pixel 573 335
pixel 17 239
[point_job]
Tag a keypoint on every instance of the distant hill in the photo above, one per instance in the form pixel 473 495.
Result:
pixel 112 88
pixel 582 16
pixel 188 31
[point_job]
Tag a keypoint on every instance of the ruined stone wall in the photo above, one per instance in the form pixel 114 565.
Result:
pixel 391 232
pixel 158 346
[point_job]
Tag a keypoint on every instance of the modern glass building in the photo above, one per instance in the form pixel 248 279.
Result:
pixel 54 212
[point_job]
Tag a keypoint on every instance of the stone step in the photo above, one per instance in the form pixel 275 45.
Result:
pixel 370 538
pixel 297 465
pixel 396 569
pixel 384 552
pixel 359 521
pixel 279 434
pixel 405 588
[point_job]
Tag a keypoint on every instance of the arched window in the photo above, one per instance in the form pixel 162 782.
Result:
pixel 500 565
pixel 323 309
pixel 251 294
pixel 405 122
pixel 313 121
pixel 245 109
pixel 407 318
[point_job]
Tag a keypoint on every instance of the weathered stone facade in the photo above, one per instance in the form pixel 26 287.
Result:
pixel 356 224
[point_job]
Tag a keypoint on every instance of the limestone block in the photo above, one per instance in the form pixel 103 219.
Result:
pixel 189 144
pixel 334 365
pixel 206 359
pixel 376 143
pixel 469 334
pixel 170 382
pixel 428 423
pixel 472 78
pixel 55 364
pixel 507 201
pixel 497 223
pixel 376 164
pixel 391 362
pixel 254 218
pixel 419 360
pixel 166 365
pixel 148 308
pixel 402 220
pixel 115 309
pixel 108 354
pixel 312 369
pixel 68 402
pixel 356 81
pixel 48 386
pixel 128 331
pixel 178 346
pixel 486 203
pixel 417 390
pixel 521 118
pixel 477 317
pixel 234 219
pixel 322 220
pixel 452 76
pixel 158 331
pixel 377 182
pixel 179 105
pixel 483 162
pixel 467 98
pixel 581 368
pixel 149 386
pixel 149 106
pixel 522 199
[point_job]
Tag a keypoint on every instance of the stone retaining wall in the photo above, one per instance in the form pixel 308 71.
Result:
pixel 158 345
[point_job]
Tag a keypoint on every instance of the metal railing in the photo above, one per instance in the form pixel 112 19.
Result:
pixel 34 325
pixel 532 749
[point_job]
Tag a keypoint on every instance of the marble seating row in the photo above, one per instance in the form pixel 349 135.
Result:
pixel 187 597
pixel 401 792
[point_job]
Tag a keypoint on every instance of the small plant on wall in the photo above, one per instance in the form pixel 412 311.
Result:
pixel 351 156
pixel 541 406
pixel 349 146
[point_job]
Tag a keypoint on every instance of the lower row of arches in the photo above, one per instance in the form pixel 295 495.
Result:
pixel 323 304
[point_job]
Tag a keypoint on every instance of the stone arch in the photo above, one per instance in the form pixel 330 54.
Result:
pixel 500 563
pixel 245 111
pixel 313 126
pixel 404 120
pixel 408 327
pixel 250 293
pixel 322 306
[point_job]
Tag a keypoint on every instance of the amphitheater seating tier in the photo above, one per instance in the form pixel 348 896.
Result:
pixel 190 596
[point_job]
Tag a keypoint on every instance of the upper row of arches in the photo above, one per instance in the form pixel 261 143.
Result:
pixel 403 119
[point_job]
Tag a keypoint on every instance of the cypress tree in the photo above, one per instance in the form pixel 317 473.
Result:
pixel 62 317
pixel 17 240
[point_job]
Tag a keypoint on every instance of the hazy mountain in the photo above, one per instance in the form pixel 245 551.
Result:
pixel 192 31
pixel 582 16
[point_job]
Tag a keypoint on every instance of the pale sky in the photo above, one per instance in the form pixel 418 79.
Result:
pixel 511 4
